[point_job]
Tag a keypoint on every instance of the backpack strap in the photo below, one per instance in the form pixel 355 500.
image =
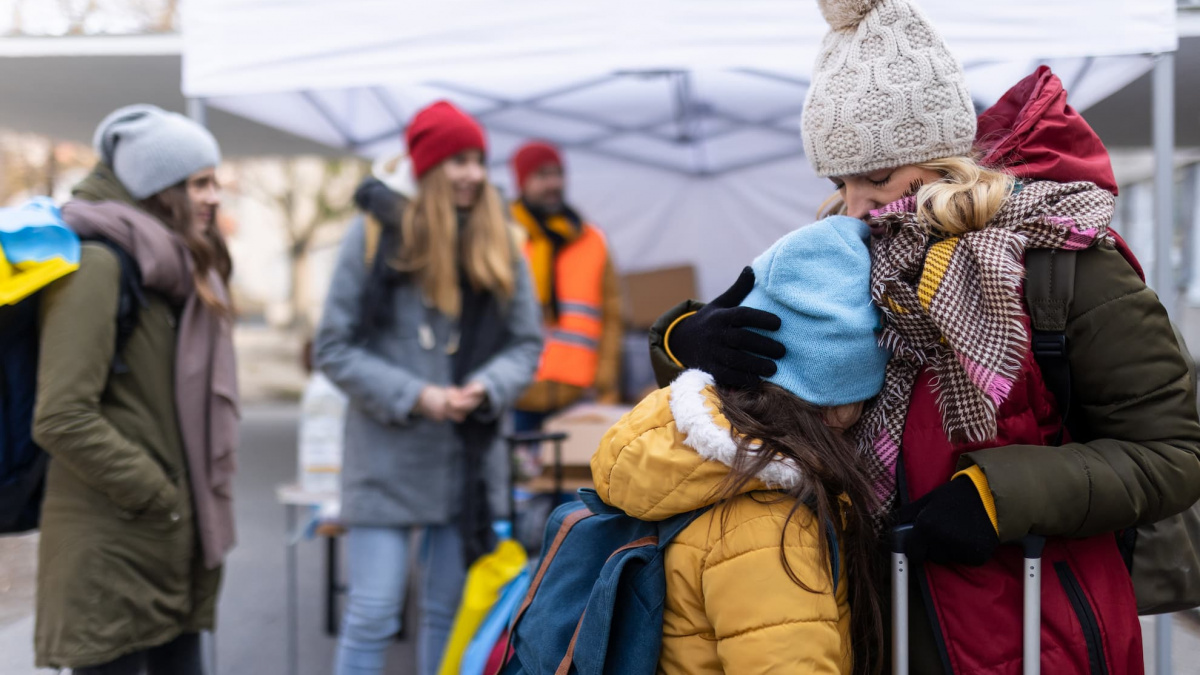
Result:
pixel 569 522
pixel 380 242
pixel 835 555
pixel 1049 291
pixel 130 300
pixel 568 659
pixel 372 231
pixel 671 527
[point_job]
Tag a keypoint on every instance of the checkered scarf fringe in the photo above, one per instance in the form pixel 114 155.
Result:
pixel 955 305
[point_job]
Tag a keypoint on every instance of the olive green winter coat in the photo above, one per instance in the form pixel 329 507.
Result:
pixel 119 563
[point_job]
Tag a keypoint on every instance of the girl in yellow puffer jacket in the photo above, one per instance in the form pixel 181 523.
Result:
pixel 750 583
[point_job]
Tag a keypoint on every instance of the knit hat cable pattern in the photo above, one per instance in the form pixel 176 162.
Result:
pixel 886 91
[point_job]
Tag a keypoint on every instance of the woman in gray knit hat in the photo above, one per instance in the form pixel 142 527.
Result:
pixel 966 440
pixel 137 409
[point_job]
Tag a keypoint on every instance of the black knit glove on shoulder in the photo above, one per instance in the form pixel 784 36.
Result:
pixel 718 339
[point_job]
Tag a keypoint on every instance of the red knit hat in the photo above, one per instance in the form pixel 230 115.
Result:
pixel 531 157
pixel 440 131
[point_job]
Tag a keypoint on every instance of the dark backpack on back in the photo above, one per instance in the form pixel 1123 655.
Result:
pixel 22 463
pixel 1163 557
pixel 595 605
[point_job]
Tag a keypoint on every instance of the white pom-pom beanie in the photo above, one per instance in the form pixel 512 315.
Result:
pixel 886 91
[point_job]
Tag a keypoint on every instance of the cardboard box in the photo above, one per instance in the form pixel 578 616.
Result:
pixel 649 294
pixel 586 424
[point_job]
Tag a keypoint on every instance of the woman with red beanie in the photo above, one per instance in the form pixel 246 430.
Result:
pixel 431 328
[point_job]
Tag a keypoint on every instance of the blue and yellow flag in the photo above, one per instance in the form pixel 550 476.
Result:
pixel 36 247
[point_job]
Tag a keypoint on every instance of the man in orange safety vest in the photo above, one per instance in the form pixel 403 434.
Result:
pixel 577 286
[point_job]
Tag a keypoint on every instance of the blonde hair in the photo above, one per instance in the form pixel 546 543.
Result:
pixel 433 249
pixel 965 200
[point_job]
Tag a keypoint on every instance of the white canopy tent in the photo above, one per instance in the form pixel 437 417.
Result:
pixel 680 118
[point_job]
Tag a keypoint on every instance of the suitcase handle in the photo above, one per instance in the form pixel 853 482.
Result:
pixel 900 566
pixel 534 438
pixel 1031 622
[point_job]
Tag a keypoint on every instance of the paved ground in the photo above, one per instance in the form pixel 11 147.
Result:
pixel 251 639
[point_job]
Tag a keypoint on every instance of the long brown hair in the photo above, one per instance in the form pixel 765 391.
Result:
pixel 432 249
pixel 770 423
pixel 173 208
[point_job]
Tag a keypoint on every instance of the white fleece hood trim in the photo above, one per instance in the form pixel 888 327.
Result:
pixel 396 172
pixel 694 419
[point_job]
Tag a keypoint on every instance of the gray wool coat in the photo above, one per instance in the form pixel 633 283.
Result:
pixel 399 468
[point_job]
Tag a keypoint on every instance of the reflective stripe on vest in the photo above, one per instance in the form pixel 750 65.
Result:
pixel 571 355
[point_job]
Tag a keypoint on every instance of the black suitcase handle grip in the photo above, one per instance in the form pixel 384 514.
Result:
pixel 899 538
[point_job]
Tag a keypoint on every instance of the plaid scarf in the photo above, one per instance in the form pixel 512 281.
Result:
pixel 954 305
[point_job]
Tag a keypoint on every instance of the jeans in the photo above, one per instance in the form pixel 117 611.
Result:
pixel 377 562
pixel 528 421
pixel 180 656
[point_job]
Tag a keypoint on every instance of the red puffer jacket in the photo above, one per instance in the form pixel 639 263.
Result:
pixel 1089 615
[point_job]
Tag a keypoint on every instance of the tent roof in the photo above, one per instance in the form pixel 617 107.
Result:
pixel 260 46
pixel 701 89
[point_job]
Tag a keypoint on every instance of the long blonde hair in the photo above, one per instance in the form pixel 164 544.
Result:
pixel 431 246
pixel 966 198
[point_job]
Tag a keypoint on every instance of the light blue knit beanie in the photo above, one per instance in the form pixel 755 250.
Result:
pixel 817 280
pixel 151 149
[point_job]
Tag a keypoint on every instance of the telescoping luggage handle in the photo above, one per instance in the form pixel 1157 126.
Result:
pixel 535 438
pixel 1031 623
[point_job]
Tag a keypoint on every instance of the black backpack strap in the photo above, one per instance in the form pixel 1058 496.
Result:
pixel 381 241
pixel 1049 291
pixel 131 299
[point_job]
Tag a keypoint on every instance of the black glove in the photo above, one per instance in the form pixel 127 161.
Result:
pixel 950 526
pixel 718 339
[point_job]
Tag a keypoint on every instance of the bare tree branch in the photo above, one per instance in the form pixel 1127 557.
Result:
pixel 168 17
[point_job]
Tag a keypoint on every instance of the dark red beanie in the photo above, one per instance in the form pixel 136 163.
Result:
pixel 439 132
pixel 531 157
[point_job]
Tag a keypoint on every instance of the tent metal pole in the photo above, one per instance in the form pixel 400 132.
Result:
pixel 1164 278
pixel 1190 217
pixel 1164 185
pixel 1163 659
pixel 348 140
pixel 197 109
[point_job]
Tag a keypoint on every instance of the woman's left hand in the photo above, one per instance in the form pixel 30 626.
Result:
pixel 950 526
pixel 462 401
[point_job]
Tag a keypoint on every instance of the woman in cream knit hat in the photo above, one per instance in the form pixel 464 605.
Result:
pixel 966 439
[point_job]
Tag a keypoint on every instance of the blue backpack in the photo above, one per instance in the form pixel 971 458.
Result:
pixel 28 234
pixel 595 605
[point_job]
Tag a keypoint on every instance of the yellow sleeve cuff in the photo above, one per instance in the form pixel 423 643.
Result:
pixel 985 492
pixel 667 339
